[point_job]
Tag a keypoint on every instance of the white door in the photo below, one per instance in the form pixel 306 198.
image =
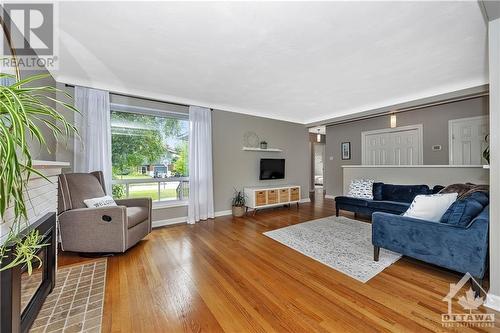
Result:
pixel 397 146
pixel 467 140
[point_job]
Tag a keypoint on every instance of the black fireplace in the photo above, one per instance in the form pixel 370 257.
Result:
pixel 22 295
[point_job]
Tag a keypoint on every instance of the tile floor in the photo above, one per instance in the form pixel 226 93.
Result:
pixel 76 303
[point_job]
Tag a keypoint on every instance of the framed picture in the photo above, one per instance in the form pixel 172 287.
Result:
pixel 345 150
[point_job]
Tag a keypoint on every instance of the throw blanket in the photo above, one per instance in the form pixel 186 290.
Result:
pixel 464 190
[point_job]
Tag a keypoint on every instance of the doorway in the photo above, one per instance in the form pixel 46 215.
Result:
pixel 319 166
pixel 467 140
pixel 317 144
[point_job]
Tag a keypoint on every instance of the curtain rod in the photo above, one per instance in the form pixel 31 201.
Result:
pixel 135 96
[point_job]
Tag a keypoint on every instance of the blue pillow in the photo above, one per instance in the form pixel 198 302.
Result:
pixel 463 211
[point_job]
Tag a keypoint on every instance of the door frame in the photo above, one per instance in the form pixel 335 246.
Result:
pixel 420 141
pixel 450 130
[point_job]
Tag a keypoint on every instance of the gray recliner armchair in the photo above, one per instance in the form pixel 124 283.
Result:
pixel 98 230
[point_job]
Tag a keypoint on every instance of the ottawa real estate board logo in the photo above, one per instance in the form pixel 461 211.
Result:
pixel 29 35
pixel 470 302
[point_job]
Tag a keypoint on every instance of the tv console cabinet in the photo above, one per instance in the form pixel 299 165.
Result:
pixel 260 197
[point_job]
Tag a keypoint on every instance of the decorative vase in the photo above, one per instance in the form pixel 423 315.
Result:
pixel 238 211
pixel 263 145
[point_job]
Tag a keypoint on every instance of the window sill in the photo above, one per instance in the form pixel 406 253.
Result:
pixel 169 204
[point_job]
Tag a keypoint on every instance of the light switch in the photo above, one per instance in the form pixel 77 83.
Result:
pixel 331 158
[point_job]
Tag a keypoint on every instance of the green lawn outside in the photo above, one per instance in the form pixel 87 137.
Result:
pixel 165 194
pixel 135 176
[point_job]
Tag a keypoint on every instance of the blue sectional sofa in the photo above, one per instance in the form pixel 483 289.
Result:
pixel 387 198
pixel 458 242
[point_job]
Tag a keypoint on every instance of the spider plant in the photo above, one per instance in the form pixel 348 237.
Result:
pixel 25 108
pixel 239 198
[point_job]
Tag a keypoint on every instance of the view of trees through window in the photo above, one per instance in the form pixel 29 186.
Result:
pixel 149 156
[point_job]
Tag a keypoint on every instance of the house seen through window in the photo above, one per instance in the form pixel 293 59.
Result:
pixel 149 156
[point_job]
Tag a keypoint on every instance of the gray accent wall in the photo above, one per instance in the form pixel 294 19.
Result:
pixel 232 167
pixel 435 132
pixel 235 168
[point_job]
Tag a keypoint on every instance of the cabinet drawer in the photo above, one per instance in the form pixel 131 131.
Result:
pixel 272 196
pixel 284 195
pixel 294 194
pixel 260 198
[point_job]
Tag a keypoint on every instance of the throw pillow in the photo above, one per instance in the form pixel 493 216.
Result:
pixel 430 207
pixel 100 202
pixel 361 188
pixel 463 211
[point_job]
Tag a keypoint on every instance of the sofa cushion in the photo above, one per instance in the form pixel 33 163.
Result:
pixel 436 189
pixel 403 193
pixel 377 190
pixel 393 206
pixel 78 187
pixel 463 211
pixel 136 215
pixel 352 201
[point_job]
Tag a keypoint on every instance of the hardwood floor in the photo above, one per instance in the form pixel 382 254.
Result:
pixel 224 275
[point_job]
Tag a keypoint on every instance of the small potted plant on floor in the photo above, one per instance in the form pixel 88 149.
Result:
pixel 238 203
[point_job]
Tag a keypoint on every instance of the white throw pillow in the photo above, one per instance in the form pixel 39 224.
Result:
pixel 431 207
pixel 100 202
pixel 361 188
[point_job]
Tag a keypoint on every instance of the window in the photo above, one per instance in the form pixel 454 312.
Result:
pixel 149 154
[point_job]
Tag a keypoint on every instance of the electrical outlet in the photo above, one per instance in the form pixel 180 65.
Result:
pixel 437 148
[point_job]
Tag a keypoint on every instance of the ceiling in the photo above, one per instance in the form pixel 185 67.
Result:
pixel 296 61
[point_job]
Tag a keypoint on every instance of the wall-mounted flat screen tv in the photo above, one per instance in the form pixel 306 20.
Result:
pixel 272 168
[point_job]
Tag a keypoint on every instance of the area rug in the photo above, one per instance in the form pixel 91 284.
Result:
pixel 338 242
pixel 76 303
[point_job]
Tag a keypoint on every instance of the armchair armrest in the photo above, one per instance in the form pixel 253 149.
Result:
pixel 457 248
pixel 135 202
pixel 139 202
pixel 100 229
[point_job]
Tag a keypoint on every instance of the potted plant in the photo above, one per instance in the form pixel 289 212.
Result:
pixel 27 111
pixel 238 203
pixel 263 145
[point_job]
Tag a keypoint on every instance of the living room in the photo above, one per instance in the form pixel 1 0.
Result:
pixel 218 167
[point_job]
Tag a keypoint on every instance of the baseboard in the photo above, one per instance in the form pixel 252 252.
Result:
pixel 183 219
pixel 175 220
pixel 328 196
pixel 223 213
pixel 492 302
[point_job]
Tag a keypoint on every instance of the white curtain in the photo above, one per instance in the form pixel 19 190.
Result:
pixel 93 151
pixel 201 193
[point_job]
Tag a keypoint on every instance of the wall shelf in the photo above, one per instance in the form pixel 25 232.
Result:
pixel 272 150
